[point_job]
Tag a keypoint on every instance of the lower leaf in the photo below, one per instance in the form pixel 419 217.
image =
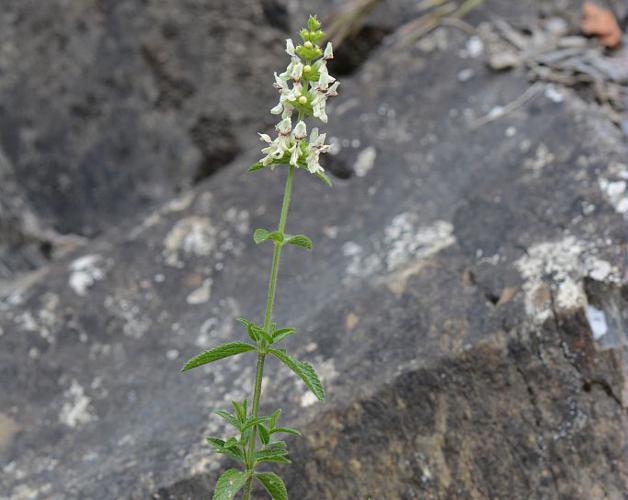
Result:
pixel 274 485
pixel 229 484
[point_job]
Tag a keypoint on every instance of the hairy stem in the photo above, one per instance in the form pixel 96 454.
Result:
pixel 270 301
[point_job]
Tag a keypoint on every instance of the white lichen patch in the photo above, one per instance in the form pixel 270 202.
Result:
pixel 615 193
pixel 76 408
pixel 193 235
pixel 597 321
pixel 365 161
pixel 553 274
pixel 202 294
pixel 308 399
pixel 84 272
pixel 135 323
pixel 400 251
pixel 542 158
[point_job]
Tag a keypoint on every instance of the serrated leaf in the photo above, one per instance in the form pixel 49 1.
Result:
pixel 300 240
pixel 272 456
pixel 218 352
pixel 220 447
pixel 217 443
pixel 229 484
pixel 229 418
pixel 240 410
pixel 286 430
pixel 249 329
pixel 255 167
pixel 304 370
pixel 277 236
pixel 279 335
pixel 260 333
pixel 251 422
pixel 273 418
pixel 264 433
pixel 260 235
pixel 324 178
pixel 274 485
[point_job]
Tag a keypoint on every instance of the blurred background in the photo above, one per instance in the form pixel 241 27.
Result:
pixel 465 300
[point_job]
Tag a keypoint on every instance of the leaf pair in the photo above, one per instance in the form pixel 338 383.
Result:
pixel 258 334
pixel 300 240
pixel 233 480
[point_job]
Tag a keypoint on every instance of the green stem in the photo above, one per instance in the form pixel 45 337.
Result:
pixel 270 301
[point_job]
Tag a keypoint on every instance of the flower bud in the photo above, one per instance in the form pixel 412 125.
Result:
pixel 308 45
pixel 302 99
pixel 307 68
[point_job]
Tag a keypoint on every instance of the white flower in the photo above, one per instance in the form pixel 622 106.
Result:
pixel 300 131
pixel 318 107
pixel 264 138
pixel 290 47
pixel 324 78
pixel 315 147
pixel 277 109
pixel 329 52
pixel 294 157
pixel 284 127
pixel 297 71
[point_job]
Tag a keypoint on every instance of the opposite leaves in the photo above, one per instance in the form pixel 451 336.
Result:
pixel 303 370
pixel 216 353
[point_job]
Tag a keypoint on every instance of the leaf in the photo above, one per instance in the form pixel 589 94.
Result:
pixel 274 455
pixel 255 167
pixel 303 370
pixel 216 353
pixel 229 418
pixel 259 332
pixel 286 430
pixel 240 410
pixel 279 335
pixel 217 443
pixel 274 485
pixel 221 447
pixel 324 178
pixel 229 484
pixel 300 240
pixel 264 433
pixel 253 421
pixel 273 418
pixel 261 235
pixel 249 328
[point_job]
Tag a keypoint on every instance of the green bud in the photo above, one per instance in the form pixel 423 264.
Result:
pixel 313 23
pixel 307 68
pixel 308 44
pixel 302 100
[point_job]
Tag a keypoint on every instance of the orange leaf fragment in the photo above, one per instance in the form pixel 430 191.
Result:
pixel 601 23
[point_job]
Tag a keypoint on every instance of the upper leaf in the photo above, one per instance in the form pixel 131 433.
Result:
pixel 229 484
pixel 261 235
pixel 300 240
pixel 286 430
pixel 279 335
pixel 229 418
pixel 218 352
pixel 273 484
pixel 303 370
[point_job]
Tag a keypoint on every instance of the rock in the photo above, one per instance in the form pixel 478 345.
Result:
pixel 114 107
pixel 445 305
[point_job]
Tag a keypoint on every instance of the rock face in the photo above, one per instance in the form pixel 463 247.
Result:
pixel 464 304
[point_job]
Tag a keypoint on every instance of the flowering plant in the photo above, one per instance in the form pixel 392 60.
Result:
pixel 303 89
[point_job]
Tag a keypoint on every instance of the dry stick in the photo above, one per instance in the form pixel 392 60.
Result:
pixel 509 108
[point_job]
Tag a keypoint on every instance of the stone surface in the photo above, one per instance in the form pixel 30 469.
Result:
pixel 444 305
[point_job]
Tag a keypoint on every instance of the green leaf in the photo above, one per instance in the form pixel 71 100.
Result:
pixel 322 176
pixel 264 433
pixel 253 421
pixel 273 418
pixel 221 447
pixel 240 410
pixel 274 485
pixel 279 335
pixel 303 370
pixel 275 455
pixel 300 240
pixel 261 235
pixel 259 332
pixel 256 166
pixel 229 418
pixel 229 484
pixel 286 430
pixel 216 353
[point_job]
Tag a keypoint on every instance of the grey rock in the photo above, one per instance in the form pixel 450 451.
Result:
pixel 444 305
